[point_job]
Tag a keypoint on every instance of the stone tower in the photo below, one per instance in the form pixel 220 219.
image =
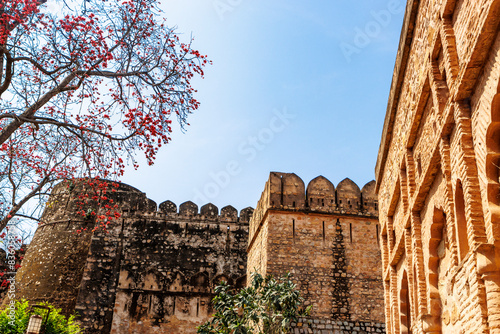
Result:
pixel 152 271
pixel 327 238
pixel 53 267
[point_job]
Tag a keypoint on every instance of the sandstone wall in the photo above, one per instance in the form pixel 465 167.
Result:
pixel 327 238
pixel 437 171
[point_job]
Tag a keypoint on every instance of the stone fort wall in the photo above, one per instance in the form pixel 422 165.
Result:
pixel 153 271
pixel 327 238
pixel 438 171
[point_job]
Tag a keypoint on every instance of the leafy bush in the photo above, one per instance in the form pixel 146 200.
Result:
pixel 56 323
pixel 268 306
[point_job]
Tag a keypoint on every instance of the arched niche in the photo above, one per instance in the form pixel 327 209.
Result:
pixel 404 306
pixel 493 164
pixel 436 242
pixel 461 222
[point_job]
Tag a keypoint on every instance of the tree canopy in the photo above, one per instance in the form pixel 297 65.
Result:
pixel 83 89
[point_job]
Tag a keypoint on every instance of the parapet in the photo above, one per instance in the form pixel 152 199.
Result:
pixel 321 195
pixel 63 206
pixel 369 198
pixel 229 213
pixel 285 191
pixel 209 211
pixel 348 196
pixel 293 192
pixel 168 207
pixel 188 209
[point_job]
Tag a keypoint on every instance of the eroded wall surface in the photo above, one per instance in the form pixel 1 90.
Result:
pixel 151 271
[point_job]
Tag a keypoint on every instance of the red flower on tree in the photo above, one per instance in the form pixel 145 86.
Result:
pixel 81 93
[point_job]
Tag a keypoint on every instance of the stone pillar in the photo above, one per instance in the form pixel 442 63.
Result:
pixel 418 260
pixel 394 299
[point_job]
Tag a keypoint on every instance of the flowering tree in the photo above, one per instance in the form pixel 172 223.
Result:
pixel 82 91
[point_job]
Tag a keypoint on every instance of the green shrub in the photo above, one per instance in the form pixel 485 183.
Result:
pixel 268 306
pixel 56 323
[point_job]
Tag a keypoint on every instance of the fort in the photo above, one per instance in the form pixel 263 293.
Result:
pixel 416 252
pixel 155 268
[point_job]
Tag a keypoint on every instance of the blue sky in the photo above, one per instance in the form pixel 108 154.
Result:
pixel 295 86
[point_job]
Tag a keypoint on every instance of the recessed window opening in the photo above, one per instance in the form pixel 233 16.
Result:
pixel 419 166
pixel 323 231
pixel 404 306
pixel 293 204
pixel 461 221
pixel 293 228
pixel 350 232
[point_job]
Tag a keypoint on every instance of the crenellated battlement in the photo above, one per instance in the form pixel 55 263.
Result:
pixel 286 191
pixel 209 211
pixel 62 208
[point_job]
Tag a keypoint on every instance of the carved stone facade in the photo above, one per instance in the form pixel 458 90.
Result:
pixel 327 238
pixel 438 171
